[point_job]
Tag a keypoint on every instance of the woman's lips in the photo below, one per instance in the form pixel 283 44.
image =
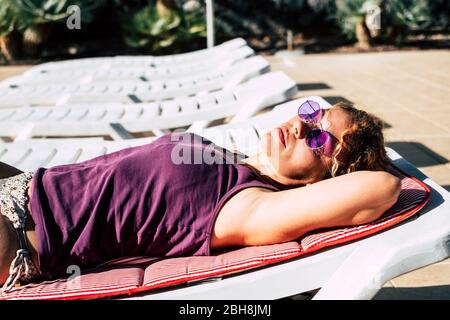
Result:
pixel 282 136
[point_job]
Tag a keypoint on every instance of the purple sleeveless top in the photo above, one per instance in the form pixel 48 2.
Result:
pixel 157 200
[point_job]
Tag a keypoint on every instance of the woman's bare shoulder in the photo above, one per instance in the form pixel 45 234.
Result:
pixel 228 227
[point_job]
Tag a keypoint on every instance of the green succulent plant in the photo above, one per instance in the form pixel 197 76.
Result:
pixel 351 12
pixel 9 18
pixel 43 11
pixel 409 13
pixel 351 16
pixel 34 19
pixel 398 17
pixel 150 29
pixel 10 27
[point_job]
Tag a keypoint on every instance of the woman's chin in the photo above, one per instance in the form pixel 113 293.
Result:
pixel 266 143
pixel 269 146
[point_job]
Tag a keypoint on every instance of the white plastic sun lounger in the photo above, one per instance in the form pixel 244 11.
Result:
pixel 28 155
pixel 132 91
pixel 355 270
pixel 143 72
pixel 121 120
pixel 215 53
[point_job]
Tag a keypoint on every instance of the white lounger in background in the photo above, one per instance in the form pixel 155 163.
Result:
pixel 217 52
pixel 356 270
pixel 132 91
pixel 28 155
pixel 120 120
pixel 135 72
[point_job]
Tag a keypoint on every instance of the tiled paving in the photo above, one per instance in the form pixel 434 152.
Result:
pixel 410 91
pixel 9 71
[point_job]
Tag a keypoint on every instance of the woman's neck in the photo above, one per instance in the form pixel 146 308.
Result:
pixel 261 164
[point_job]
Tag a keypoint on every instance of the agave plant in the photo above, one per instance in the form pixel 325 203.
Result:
pixel 160 27
pixel 403 16
pixel 351 16
pixel 9 18
pixel 10 25
pixel 440 11
pixel 34 19
pixel 44 11
pixel 398 17
pixel 410 13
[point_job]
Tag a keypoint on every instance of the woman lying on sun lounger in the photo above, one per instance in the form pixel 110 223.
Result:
pixel 162 200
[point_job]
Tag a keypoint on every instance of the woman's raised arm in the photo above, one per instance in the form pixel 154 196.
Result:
pixel 350 199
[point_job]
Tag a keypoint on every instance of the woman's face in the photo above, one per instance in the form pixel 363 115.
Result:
pixel 292 160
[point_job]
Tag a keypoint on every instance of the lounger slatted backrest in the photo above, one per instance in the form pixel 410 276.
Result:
pixel 132 91
pixel 28 155
pixel 215 53
pixel 143 72
pixel 285 273
pixel 92 119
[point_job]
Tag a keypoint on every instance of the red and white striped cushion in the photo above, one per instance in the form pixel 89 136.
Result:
pixel 128 276
pixel 413 197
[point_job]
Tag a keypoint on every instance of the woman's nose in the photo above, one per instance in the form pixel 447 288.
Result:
pixel 299 129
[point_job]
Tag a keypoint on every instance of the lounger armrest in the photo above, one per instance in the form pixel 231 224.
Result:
pixel 367 269
pixel 120 132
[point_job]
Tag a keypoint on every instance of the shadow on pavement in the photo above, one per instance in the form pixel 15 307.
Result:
pixel 312 86
pixel 420 293
pixel 417 153
pixel 336 99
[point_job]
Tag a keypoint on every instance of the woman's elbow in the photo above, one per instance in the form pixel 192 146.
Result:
pixel 386 192
pixel 388 189
pixel 392 189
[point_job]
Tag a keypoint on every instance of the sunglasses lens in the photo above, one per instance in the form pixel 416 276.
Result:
pixel 317 138
pixel 310 111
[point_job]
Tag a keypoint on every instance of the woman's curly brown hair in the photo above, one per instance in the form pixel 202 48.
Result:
pixel 361 147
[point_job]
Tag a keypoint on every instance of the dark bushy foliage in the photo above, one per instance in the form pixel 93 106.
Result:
pixel 440 11
pixel 272 19
pixel 172 30
pixel 264 23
